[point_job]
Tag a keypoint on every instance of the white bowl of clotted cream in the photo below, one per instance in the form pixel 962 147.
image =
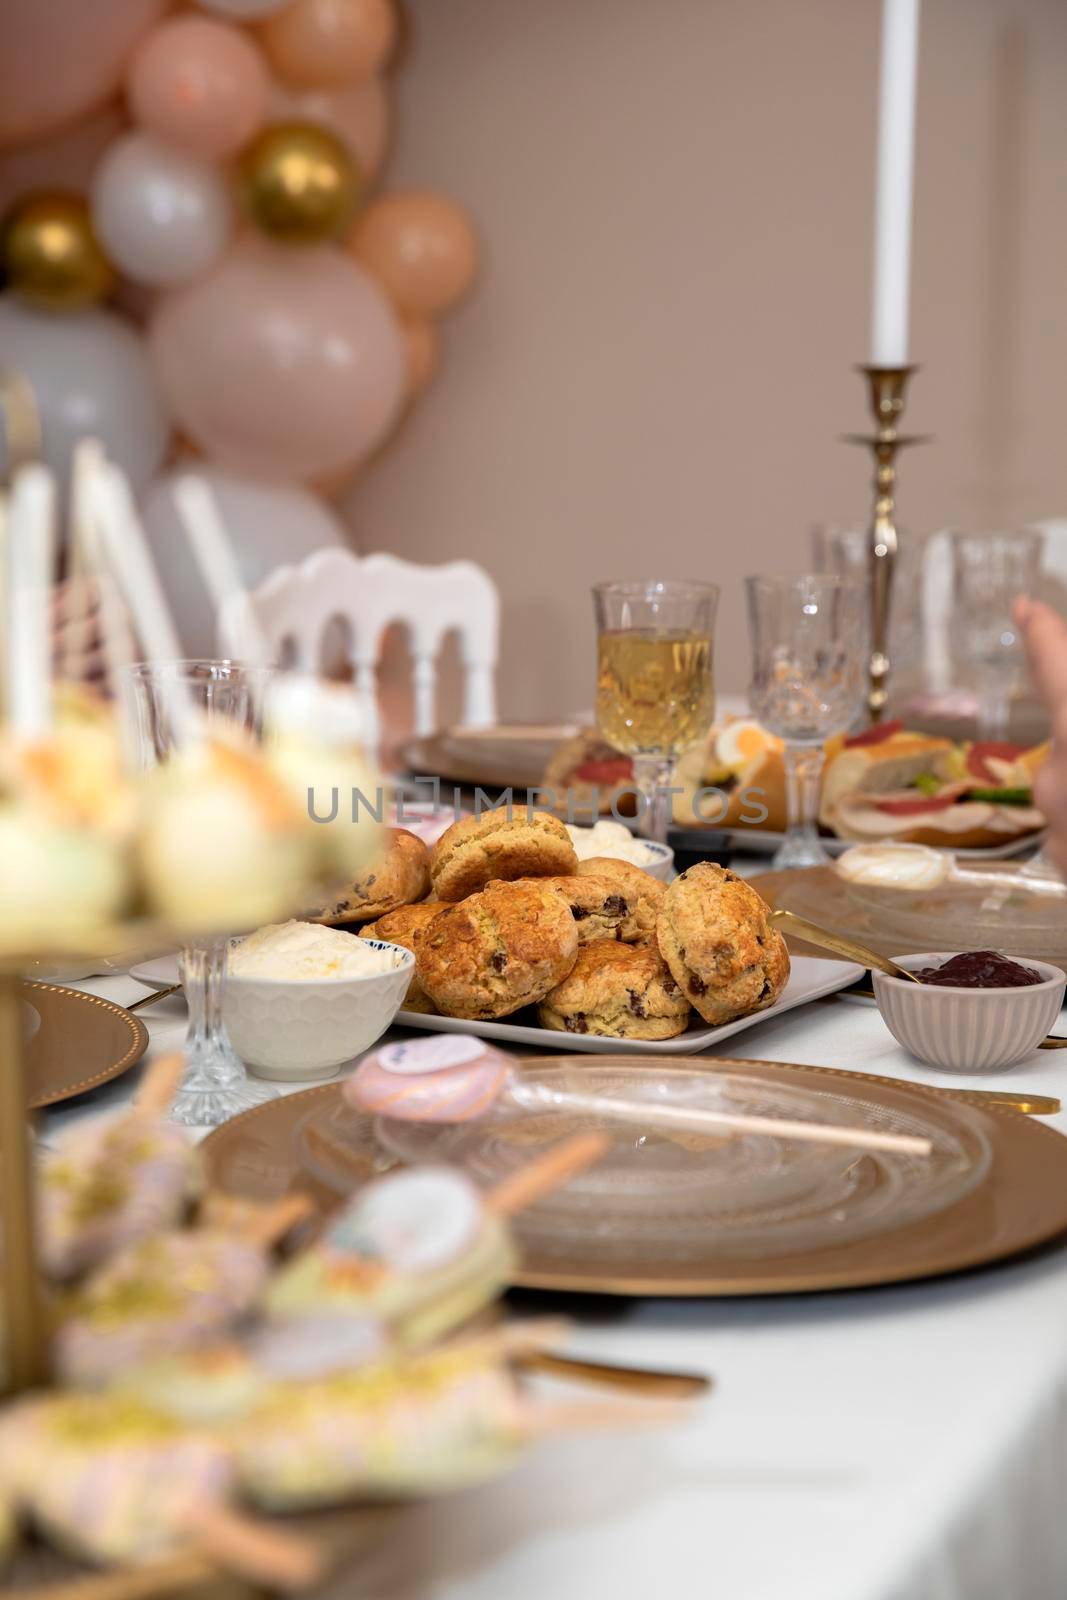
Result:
pixel 302 999
pixel 607 838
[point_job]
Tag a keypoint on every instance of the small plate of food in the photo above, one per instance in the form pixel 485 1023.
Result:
pixel 886 783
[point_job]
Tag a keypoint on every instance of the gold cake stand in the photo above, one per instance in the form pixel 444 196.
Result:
pixel 26 1343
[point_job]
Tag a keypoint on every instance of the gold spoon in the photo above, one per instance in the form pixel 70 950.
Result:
pixel 1034 1104
pixel 841 947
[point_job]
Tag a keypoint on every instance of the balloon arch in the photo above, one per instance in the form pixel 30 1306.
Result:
pixel 195 255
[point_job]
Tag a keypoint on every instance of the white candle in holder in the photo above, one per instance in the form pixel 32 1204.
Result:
pixel 30 572
pixel 893 207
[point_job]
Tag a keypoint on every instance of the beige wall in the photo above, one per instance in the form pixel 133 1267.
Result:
pixel 676 200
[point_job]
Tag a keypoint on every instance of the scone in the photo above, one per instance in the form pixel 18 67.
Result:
pixel 644 894
pixel 714 934
pixel 398 877
pixel 498 950
pixel 499 844
pixel 623 991
pixel 598 905
pixel 406 926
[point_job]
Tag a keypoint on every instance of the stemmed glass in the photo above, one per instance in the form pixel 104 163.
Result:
pixel 655 693
pixel 989 571
pixel 215 1085
pixel 808 665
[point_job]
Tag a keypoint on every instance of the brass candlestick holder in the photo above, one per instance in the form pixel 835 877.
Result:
pixel 888 391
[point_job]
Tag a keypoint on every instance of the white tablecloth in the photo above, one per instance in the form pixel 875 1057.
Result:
pixel 894 1444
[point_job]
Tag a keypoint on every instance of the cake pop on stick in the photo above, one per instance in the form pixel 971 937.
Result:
pixel 422 1251
pixel 167 1292
pixel 459 1078
pixel 121 1483
pixel 116 1181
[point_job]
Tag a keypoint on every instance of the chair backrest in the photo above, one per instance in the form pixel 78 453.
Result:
pixel 294 607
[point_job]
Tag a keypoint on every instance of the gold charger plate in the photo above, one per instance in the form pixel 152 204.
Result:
pixel 82 1041
pixel 819 894
pixel 1021 1202
pixel 511 755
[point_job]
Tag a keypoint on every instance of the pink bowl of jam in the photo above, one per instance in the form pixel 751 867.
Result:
pixel 974 1011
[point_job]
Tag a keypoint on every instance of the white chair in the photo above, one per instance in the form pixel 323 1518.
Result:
pixel 295 606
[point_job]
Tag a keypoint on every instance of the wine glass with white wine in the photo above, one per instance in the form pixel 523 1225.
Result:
pixel 655 692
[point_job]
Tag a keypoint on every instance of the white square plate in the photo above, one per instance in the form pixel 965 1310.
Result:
pixel 809 979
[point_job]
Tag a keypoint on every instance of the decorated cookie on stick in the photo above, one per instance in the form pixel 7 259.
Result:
pixel 419 1424
pixel 123 1484
pixel 458 1078
pixel 422 1252
pixel 173 1290
pixel 118 1180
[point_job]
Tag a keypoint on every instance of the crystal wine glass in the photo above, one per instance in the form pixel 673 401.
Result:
pixel 215 1085
pixel 989 571
pixel 808 671
pixel 655 694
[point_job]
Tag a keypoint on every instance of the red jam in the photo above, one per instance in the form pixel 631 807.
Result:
pixel 979 969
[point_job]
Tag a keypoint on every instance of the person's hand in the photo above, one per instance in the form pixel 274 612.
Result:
pixel 1045 637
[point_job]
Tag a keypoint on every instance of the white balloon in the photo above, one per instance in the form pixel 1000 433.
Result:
pixel 244 10
pixel 268 525
pixel 162 216
pixel 91 375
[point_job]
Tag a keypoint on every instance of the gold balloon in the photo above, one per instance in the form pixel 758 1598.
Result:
pixel 301 183
pixel 51 256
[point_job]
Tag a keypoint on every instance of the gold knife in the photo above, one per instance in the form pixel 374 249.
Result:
pixel 638 1380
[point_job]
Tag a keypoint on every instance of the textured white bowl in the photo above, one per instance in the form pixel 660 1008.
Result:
pixel 296 1030
pixel 663 865
pixel 968 1030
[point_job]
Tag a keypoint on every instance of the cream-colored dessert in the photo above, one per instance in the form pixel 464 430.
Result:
pixel 315 733
pixel 306 952
pixel 223 843
pixel 608 838
pixel 55 880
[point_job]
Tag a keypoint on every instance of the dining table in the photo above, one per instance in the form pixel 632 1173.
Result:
pixel 895 1443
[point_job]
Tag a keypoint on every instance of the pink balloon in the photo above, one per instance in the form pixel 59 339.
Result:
pixel 323 43
pixel 201 84
pixel 61 58
pixel 281 363
pixel 359 115
pixel 64 160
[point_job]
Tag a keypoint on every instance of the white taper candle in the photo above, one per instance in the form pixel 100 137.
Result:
pixel 30 548
pixel 893 206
